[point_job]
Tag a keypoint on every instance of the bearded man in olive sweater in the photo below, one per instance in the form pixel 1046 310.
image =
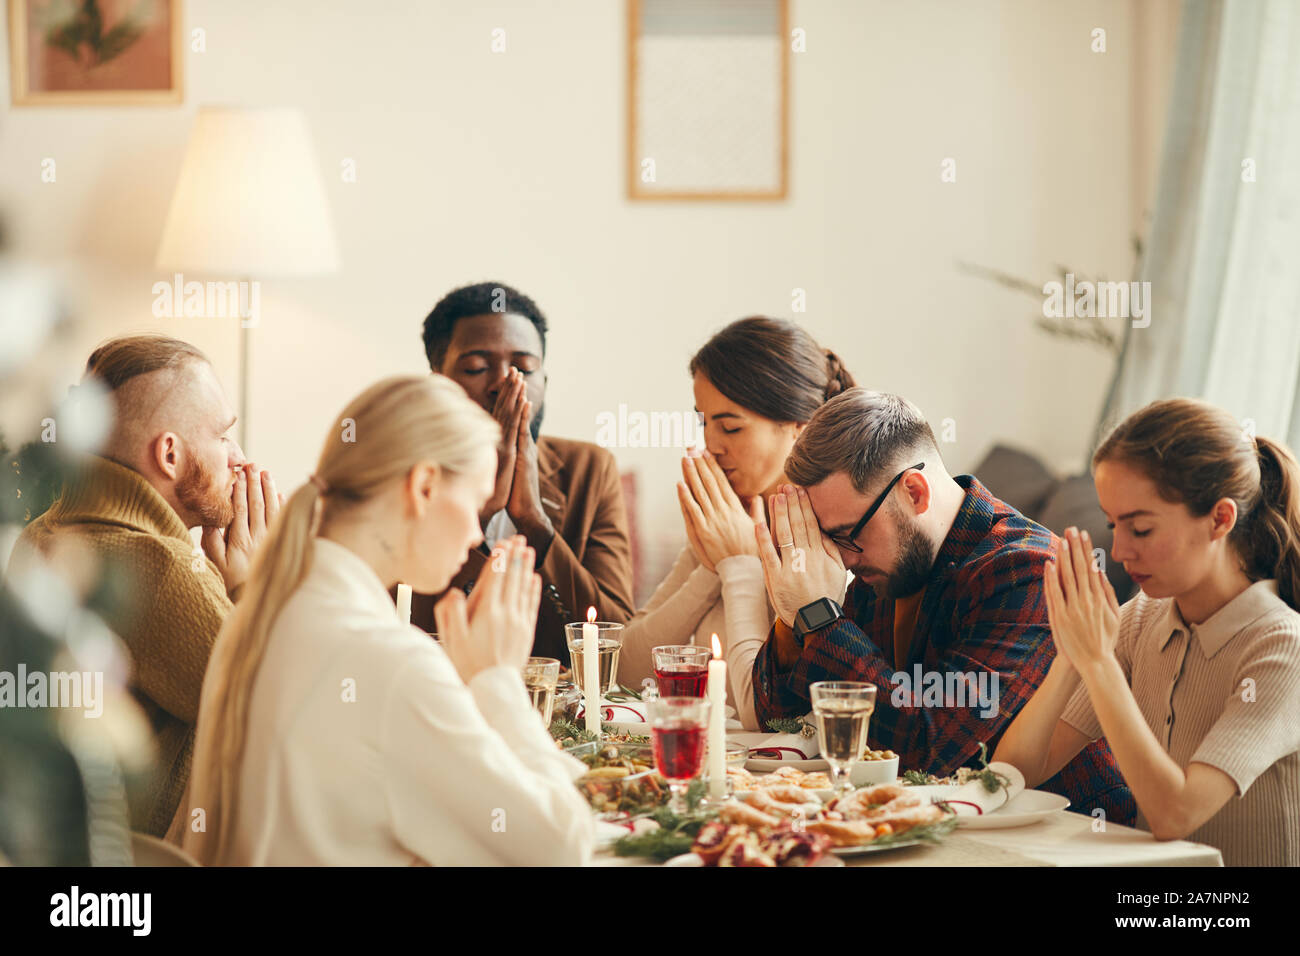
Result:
pixel 167 465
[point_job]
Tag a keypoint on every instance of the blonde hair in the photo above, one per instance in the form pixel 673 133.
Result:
pixel 381 435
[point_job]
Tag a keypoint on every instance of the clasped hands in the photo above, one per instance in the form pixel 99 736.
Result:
pixel 1081 605
pixel 516 488
pixel 494 626
pixel 256 504
pixel 717 524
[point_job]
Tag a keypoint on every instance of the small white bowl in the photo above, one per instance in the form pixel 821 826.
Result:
pixel 867 773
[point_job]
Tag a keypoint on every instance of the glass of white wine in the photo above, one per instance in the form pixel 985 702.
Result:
pixel 540 677
pixel 842 710
pixel 609 643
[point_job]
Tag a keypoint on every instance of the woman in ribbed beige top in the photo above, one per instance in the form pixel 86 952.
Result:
pixel 1195 683
pixel 756 383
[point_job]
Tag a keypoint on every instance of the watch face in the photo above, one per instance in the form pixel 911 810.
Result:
pixel 818 615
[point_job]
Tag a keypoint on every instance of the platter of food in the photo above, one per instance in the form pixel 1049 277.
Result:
pixel 620 782
pixel 779 822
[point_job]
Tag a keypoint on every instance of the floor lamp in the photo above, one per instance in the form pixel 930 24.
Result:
pixel 249 204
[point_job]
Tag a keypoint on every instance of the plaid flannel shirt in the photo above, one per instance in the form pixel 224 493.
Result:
pixel 982 614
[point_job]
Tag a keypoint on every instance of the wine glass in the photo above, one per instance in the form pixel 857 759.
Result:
pixel 682 670
pixel 842 710
pixel 677 734
pixel 541 674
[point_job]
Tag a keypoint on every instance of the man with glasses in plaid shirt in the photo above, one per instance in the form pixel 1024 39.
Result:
pixel 948 585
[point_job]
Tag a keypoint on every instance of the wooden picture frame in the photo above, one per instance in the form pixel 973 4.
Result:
pixel 119 57
pixel 773 157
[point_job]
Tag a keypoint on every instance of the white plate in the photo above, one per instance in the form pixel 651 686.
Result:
pixel 1026 807
pixel 690 859
pixel 872 848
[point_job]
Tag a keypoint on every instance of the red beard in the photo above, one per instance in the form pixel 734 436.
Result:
pixel 198 493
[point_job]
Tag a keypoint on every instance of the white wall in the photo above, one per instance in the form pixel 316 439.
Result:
pixel 510 166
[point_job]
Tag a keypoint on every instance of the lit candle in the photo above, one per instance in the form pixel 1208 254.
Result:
pixel 404 603
pixel 717 723
pixel 591 671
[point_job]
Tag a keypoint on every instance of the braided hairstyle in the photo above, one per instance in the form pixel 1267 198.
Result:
pixel 772 367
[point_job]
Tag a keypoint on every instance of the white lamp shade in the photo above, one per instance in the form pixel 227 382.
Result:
pixel 250 200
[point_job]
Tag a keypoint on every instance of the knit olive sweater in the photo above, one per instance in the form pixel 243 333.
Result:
pixel 174 604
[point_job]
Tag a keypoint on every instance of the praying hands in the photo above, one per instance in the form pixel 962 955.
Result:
pixel 256 505
pixel 516 490
pixel 1081 605
pixel 717 525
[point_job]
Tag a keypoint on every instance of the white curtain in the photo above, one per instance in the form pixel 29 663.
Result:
pixel 1223 254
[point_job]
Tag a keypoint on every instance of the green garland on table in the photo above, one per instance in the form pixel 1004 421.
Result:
pixel 675 834
pixel 785 725
pixel 926 832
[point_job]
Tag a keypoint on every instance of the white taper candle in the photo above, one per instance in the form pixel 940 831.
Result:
pixel 717 723
pixel 591 671
pixel 404 603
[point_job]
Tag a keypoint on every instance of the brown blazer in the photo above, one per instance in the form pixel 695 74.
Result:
pixel 589 563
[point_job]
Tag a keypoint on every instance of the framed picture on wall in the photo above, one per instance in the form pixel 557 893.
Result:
pixel 95 52
pixel 708 99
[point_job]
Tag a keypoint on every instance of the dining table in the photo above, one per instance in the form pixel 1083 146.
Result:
pixel 1058 839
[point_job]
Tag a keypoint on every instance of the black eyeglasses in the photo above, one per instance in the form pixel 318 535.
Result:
pixel 846 541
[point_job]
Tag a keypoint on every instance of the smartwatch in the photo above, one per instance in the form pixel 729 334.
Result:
pixel 815 616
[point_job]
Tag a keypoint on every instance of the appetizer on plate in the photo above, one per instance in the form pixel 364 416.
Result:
pixel 743 781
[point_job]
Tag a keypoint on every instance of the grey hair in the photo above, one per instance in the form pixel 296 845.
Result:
pixel 863 434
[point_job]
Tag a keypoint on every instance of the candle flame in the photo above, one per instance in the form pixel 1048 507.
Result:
pixel 591 614
pixel 717 648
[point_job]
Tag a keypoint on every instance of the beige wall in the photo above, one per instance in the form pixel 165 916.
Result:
pixel 472 166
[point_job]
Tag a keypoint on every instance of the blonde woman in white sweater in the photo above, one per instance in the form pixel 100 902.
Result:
pixel 757 382
pixel 329 733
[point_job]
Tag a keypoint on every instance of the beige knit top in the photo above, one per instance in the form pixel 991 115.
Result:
pixel 173 604
pixel 1224 693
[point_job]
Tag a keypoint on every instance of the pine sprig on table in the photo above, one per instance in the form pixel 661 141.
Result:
pixel 620 693
pixel 675 834
pixel 992 780
pixel 786 725
pixel 926 832
pixel 565 729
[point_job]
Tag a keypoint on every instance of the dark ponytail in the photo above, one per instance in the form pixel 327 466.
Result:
pixel 1273 528
pixel 772 368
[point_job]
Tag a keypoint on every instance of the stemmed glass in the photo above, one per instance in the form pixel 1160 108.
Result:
pixel 842 711
pixel 541 674
pixel 677 733
pixel 682 670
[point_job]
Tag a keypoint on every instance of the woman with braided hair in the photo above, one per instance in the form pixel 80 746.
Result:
pixel 757 382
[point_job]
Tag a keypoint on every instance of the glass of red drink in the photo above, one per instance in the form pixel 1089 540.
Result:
pixel 677 734
pixel 681 670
